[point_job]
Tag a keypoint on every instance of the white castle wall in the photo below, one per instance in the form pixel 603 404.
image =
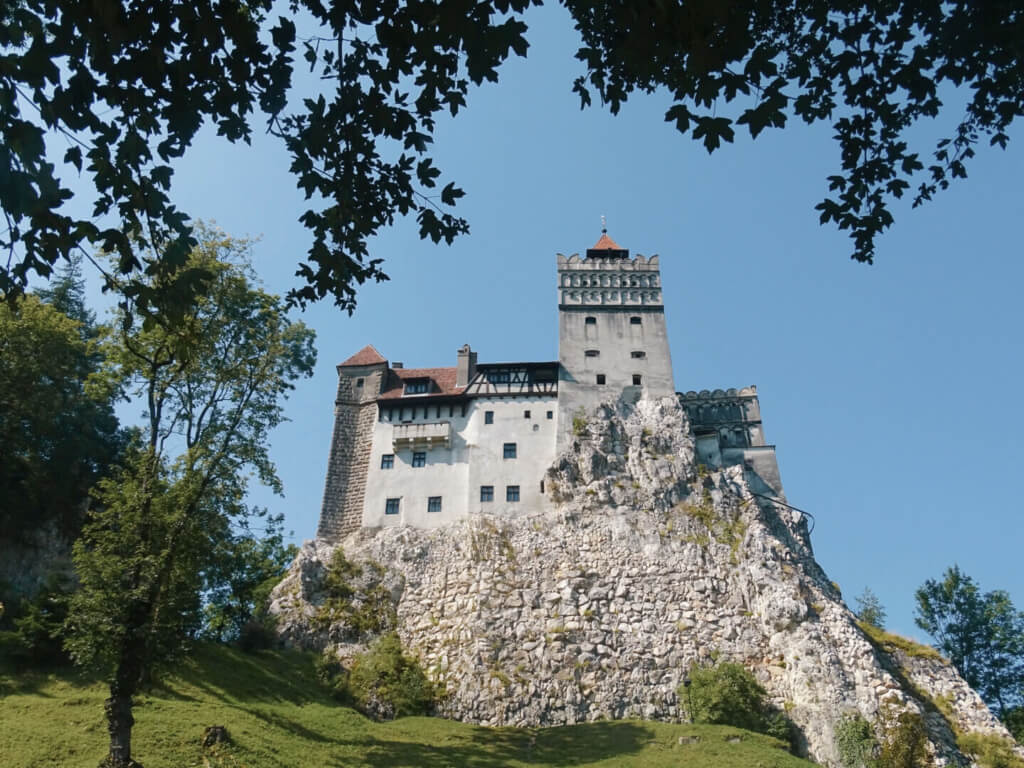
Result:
pixel 475 458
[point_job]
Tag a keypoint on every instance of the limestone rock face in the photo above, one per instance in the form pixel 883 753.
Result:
pixel 648 564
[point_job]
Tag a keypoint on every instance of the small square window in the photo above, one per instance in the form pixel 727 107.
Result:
pixel 434 504
pixel 591 321
pixel 359 382
pixel 635 321
pixel 387 461
pixel 488 417
pixel 636 379
pixel 486 493
pixel 391 507
pixel 419 458
pixel 551 414
pixel 509 451
pixel 512 493
pixel 638 354
pixel 526 414
pixel 600 378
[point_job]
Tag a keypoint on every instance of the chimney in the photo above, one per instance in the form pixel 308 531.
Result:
pixel 466 366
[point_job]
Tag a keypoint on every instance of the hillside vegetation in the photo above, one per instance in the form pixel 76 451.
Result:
pixel 277 716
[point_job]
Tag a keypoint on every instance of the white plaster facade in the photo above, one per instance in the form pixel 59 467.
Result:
pixel 475 458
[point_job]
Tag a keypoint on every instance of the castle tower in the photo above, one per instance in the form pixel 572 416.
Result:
pixel 612 339
pixel 361 380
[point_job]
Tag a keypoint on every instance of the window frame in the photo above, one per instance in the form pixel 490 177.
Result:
pixel 486 494
pixel 387 461
pixel 488 417
pixel 512 494
pixel 601 379
pixel 433 504
pixel 393 506
pixel 510 451
pixel 419 459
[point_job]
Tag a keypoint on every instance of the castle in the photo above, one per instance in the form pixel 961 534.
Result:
pixel 423 447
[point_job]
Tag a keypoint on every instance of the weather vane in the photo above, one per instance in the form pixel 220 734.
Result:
pixel 604 224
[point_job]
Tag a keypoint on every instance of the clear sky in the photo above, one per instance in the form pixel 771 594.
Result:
pixel 888 389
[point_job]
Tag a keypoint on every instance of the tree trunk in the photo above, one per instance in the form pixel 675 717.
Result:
pixel 118 709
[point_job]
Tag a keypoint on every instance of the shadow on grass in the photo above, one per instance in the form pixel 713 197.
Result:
pixel 497 748
pixel 231 676
pixel 18 678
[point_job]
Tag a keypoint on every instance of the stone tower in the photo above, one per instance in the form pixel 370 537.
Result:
pixel 361 380
pixel 612 340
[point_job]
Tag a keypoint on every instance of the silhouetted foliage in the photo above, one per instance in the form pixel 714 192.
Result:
pixel 123 88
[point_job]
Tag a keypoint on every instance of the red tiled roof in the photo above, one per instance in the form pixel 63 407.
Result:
pixel 606 244
pixel 443 378
pixel 365 356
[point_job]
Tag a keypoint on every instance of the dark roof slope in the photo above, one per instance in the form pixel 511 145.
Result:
pixel 443 378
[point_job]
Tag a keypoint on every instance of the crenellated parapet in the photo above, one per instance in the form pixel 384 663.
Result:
pixel 609 281
pixel 726 425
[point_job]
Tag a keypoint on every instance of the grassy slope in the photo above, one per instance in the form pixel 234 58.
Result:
pixel 277 717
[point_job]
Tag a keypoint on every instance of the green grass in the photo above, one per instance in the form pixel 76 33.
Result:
pixel 890 642
pixel 277 717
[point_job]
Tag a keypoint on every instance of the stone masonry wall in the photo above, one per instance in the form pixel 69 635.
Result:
pixel 598 608
pixel 355 413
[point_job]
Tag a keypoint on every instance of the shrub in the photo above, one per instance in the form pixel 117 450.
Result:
pixel 579 423
pixel 256 635
pixel 383 682
pixel 903 741
pixel 38 634
pixel 855 741
pixel 727 694
pixel 989 750
pixel 386 683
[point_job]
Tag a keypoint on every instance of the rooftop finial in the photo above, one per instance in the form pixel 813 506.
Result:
pixel 604 224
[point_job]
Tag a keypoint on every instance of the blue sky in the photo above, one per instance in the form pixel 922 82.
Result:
pixel 888 389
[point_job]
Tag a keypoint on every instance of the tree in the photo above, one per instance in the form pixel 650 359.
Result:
pixel 982 634
pixel 870 609
pixel 125 87
pixel 212 387
pixel 57 435
pixel 247 567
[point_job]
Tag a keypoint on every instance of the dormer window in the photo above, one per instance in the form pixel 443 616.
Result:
pixel 417 386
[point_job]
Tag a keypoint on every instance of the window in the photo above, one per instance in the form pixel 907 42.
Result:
pixel 600 378
pixel 417 386
pixel 512 493
pixel 638 354
pixel 591 321
pixel 359 382
pixel 509 451
pixel 387 461
pixel 542 486
pixel 391 507
pixel 551 414
pixel 592 353
pixel 434 504
pixel 488 417
pixel 499 377
pixel 419 458
pixel 526 414
pixel 486 493
pixel 636 379
pixel 635 321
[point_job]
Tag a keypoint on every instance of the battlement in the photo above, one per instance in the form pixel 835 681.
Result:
pixel 609 281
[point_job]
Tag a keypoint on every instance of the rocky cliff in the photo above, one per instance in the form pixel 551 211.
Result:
pixel 648 564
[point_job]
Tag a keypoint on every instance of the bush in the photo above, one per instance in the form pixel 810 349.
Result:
pixel 37 638
pixel 383 682
pixel 903 742
pixel 727 694
pixel 855 741
pixel 256 635
pixel 989 750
